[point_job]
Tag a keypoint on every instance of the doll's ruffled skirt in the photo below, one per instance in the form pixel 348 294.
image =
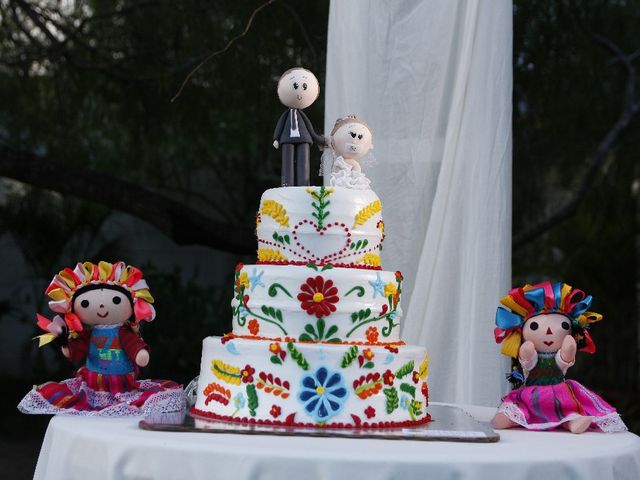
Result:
pixel 548 406
pixel 115 395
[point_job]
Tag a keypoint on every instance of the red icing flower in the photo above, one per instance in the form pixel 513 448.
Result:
pixel 415 377
pixel 388 377
pixel 275 348
pixel 247 374
pixel 372 334
pixel 425 392
pixel 254 326
pixel 398 276
pixel 318 296
pixel 275 411
pixel 370 412
pixel 385 308
pixel 392 348
pixel 239 267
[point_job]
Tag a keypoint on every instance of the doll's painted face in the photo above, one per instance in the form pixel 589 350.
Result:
pixel 547 331
pixel 298 88
pixel 102 306
pixel 352 140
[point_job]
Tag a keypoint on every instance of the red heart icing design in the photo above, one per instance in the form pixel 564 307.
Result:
pixel 332 246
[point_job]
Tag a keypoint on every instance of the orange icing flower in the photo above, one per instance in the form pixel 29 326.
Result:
pixel 368 354
pixel 275 348
pixel 254 326
pixel 372 334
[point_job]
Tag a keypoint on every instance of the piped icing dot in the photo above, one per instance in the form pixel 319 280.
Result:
pixel 318 297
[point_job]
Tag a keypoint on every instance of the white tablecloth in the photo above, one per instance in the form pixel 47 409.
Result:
pixel 95 448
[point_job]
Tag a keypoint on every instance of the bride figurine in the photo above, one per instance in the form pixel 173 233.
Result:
pixel 351 140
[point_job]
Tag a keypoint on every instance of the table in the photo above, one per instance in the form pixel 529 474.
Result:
pixel 95 448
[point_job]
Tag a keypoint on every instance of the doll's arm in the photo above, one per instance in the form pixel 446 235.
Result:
pixel 77 348
pixel 279 126
pixel 318 139
pixel 528 356
pixel 566 356
pixel 135 348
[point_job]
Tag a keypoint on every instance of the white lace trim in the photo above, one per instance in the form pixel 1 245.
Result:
pixel 111 405
pixel 609 423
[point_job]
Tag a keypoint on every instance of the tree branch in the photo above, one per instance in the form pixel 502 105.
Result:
pixel 184 225
pixel 221 51
pixel 630 108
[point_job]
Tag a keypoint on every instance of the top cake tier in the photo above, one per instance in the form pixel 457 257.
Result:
pixel 320 225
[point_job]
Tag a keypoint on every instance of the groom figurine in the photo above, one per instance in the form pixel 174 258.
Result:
pixel 297 89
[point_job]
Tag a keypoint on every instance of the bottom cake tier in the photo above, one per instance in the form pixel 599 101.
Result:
pixel 312 384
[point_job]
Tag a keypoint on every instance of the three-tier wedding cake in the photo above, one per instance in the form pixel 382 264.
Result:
pixel 315 338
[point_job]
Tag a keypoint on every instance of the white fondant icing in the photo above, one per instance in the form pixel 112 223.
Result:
pixel 290 224
pixel 251 386
pixel 360 294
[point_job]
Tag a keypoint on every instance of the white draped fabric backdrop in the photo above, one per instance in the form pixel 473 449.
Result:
pixel 433 79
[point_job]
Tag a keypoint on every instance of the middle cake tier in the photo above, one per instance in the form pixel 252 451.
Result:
pixel 317 304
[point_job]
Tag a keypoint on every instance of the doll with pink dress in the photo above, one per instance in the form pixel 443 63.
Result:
pixel 99 309
pixel 541 327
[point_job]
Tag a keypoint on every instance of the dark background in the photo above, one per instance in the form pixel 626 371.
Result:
pixel 96 162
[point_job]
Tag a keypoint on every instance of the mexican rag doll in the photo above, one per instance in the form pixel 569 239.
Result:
pixel 99 308
pixel 542 328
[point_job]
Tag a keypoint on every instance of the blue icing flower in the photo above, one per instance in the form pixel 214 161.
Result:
pixel 393 314
pixel 378 286
pixel 231 348
pixel 239 400
pixel 389 358
pixel 255 280
pixel 322 394
pixel 405 402
pixel 243 311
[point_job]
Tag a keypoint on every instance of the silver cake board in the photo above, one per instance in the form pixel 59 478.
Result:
pixel 449 424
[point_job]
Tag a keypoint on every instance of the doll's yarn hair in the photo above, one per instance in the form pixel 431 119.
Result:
pixel 523 303
pixel 87 276
pixel 349 119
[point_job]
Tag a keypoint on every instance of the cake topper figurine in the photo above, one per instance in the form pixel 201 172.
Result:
pixel 99 309
pixel 351 140
pixel 298 88
pixel 542 328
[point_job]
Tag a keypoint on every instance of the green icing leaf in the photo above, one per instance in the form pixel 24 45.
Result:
pixel 392 399
pixel 349 356
pixel 252 396
pixel 410 389
pixel 405 369
pixel 297 356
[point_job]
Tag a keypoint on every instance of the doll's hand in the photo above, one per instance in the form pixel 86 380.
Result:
pixel 65 351
pixel 568 349
pixel 276 144
pixel 142 358
pixel 527 352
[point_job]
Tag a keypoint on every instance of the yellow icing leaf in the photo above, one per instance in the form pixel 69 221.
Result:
pixel 370 259
pixel 225 372
pixel 423 371
pixel 367 212
pixel 276 211
pixel 270 255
